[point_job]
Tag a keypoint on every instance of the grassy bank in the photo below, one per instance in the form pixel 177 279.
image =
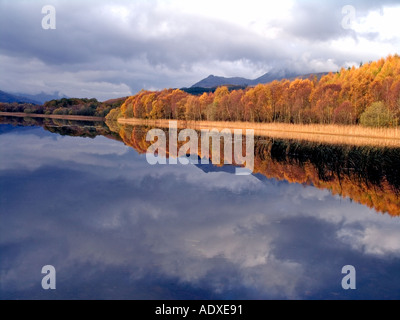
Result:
pixel 334 134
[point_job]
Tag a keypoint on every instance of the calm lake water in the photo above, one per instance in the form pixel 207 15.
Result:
pixel 83 198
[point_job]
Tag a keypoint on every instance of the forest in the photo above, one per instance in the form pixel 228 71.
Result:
pixel 368 95
pixel 66 106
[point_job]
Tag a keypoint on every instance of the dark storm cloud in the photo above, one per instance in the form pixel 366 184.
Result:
pixel 171 40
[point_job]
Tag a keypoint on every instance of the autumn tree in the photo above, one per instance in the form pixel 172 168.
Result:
pixel 325 99
pixel 236 105
pixel 377 115
pixel 299 95
pixel 344 114
pixel 192 108
pixel 206 101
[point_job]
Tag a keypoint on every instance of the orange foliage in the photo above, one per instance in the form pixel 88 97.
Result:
pixel 339 98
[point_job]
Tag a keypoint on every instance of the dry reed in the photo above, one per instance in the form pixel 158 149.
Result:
pixel 333 134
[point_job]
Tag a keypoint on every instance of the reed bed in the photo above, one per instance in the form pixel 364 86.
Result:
pixel 332 134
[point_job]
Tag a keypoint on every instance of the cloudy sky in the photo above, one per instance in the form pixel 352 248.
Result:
pixel 107 49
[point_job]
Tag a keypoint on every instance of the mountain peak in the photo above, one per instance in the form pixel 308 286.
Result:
pixel 214 81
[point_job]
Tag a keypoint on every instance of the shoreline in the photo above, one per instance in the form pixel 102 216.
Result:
pixel 333 134
pixel 60 117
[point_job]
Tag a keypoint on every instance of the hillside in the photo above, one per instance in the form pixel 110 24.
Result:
pixel 43 97
pixel 213 81
pixel 11 98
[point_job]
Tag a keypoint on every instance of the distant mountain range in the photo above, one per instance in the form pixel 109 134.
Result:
pixel 37 99
pixel 208 84
pixel 214 81
pixel 43 97
pixel 10 98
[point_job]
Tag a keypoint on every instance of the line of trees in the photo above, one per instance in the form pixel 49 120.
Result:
pixel 65 106
pixel 368 95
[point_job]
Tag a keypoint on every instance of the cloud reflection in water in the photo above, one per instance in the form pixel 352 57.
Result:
pixel 116 227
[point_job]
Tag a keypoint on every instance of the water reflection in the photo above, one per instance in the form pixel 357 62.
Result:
pixel 368 175
pixel 85 129
pixel 115 227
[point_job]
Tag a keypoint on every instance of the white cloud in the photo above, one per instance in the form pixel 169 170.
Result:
pixel 383 240
pixel 56 151
pixel 384 23
pixel 252 14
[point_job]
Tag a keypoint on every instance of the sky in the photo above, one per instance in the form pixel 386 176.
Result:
pixel 110 49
